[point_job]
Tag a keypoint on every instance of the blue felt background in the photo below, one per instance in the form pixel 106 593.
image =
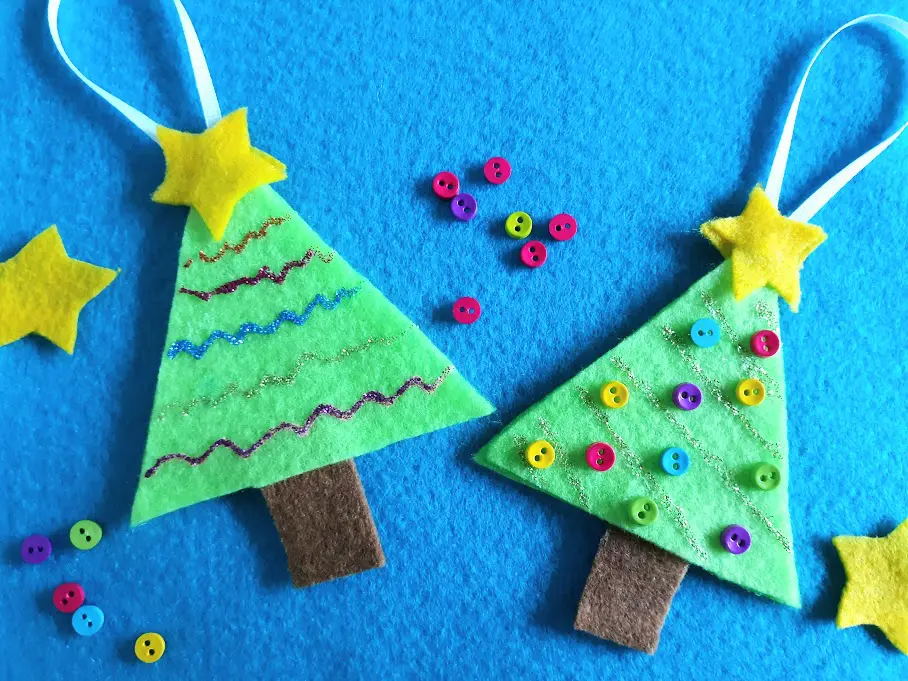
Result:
pixel 642 120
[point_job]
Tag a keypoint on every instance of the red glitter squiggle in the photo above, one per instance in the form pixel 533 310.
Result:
pixel 264 273
pixel 238 248
pixel 303 430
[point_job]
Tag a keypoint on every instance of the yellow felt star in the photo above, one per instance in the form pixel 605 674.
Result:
pixel 213 170
pixel 42 290
pixel 766 248
pixel 876 591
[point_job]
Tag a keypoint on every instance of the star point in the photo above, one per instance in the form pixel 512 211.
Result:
pixel 211 171
pixel 765 248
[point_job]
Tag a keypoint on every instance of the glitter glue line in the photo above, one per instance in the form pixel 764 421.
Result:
pixel 373 396
pixel 238 248
pixel 521 443
pixel 561 462
pixel 749 364
pixel 198 351
pixel 716 389
pixel 713 460
pixel 263 274
pixel 630 459
pixel 270 380
pixel 765 312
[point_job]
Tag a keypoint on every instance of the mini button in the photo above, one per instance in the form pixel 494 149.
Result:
pixel 150 647
pixel 735 539
pixel 767 477
pixel 540 454
pixel 467 310
pixel 765 343
pixel 533 254
pixel 464 207
pixel 705 333
pixel 751 392
pixel 445 185
pixel 614 394
pixel 85 534
pixel 600 456
pixel 563 227
pixel 88 620
pixel 687 396
pixel 69 597
pixel 518 225
pixel 675 461
pixel 497 170
pixel 36 549
pixel 643 511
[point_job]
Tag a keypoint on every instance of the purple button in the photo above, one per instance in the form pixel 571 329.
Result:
pixel 36 549
pixel 735 539
pixel 464 207
pixel 687 396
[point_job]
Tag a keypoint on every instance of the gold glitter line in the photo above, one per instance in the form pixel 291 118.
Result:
pixel 714 387
pixel 637 468
pixel 260 233
pixel 750 365
pixel 270 380
pixel 561 461
pixel 765 312
pixel 713 460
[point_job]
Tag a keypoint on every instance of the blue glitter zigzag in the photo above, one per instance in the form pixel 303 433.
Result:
pixel 198 351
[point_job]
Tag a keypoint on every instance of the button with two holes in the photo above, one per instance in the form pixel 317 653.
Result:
pixel 88 620
pixel 675 461
pixel 85 534
pixel 463 206
pixel 518 225
pixel 467 310
pixel 540 454
pixel 149 647
pixel 643 511
pixel 533 254
pixel 751 392
pixel 705 333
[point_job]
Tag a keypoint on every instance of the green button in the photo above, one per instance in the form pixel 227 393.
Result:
pixel 644 511
pixel 85 534
pixel 767 477
pixel 518 225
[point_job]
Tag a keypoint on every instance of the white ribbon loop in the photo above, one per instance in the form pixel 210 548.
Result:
pixel 210 107
pixel 830 188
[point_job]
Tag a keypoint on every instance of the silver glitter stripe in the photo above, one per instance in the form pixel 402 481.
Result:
pixel 766 313
pixel 751 366
pixel 561 460
pixel 714 387
pixel 637 468
pixel 713 460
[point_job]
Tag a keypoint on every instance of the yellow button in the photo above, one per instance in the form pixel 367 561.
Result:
pixel 518 225
pixel 540 454
pixel 751 392
pixel 614 394
pixel 149 647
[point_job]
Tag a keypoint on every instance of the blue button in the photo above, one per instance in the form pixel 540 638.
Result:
pixel 675 461
pixel 87 620
pixel 705 332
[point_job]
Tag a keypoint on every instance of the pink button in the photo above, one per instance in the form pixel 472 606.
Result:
pixel 445 185
pixel 765 343
pixel 563 227
pixel 533 253
pixel 467 310
pixel 600 456
pixel 497 170
pixel 69 597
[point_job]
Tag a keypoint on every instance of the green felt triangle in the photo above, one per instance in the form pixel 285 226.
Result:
pixel 323 336
pixel 725 440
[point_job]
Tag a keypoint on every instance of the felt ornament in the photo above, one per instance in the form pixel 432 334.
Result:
pixel 42 291
pixel 677 437
pixel 282 363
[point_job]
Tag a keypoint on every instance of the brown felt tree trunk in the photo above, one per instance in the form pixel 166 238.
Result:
pixel 325 523
pixel 629 591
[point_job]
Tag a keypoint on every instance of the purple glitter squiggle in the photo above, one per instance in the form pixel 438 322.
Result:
pixel 264 273
pixel 303 430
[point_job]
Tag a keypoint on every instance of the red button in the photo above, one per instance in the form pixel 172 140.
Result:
pixel 563 227
pixel 600 456
pixel 467 310
pixel 445 185
pixel 69 597
pixel 533 254
pixel 765 343
pixel 497 170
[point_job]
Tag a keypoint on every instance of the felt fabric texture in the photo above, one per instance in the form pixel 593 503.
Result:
pixel 42 291
pixel 219 425
pixel 629 591
pixel 211 171
pixel 325 524
pixel 641 119
pixel 765 248
pixel 877 588
pixel 725 440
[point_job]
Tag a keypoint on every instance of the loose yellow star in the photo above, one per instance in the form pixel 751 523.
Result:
pixel 766 248
pixel 213 170
pixel 876 591
pixel 42 290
